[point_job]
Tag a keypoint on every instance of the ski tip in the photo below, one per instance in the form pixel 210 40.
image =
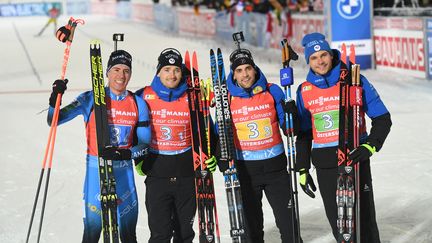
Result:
pixel 95 43
pixel 352 54
pixel 343 53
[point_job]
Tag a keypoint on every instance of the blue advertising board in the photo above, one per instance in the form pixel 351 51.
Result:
pixel 165 18
pixel 429 48
pixel 124 10
pixel 27 9
pixel 350 23
pixel 224 30
pixel 78 7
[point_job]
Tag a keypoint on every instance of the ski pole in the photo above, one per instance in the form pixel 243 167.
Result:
pixel 287 79
pixel 49 150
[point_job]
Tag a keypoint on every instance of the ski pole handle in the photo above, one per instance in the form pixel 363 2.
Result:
pixel 72 23
pixel 286 76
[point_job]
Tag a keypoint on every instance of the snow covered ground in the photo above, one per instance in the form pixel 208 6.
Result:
pixel 402 171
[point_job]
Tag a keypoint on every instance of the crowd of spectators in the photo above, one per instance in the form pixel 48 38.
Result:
pixel 258 6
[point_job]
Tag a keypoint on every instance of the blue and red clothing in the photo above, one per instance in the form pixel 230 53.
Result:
pixel 318 111
pixel 170 182
pixel 257 116
pixel 125 112
pixel 317 140
pixel 171 133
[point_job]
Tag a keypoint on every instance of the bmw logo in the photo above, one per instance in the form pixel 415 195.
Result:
pixel 350 9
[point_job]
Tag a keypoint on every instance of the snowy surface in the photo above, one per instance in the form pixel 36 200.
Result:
pixel 402 170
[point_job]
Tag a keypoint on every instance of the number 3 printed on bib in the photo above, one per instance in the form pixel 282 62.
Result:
pixel 327 121
pixel 254 130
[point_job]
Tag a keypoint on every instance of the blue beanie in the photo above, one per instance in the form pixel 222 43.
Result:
pixel 314 42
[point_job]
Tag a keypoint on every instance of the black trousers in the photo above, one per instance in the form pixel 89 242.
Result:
pixel 276 186
pixel 327 180
pixel 171 206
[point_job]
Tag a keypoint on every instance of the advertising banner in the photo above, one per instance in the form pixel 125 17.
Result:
pixel 77 7
pixel 224 30
pixel 429 47
pixel 124 10
pixel 165 18
pixel 104 8
pixel 142 12
pixel 350 23
pixel 302 25
pixel 399 45
pixel 190 23
pixel 27 9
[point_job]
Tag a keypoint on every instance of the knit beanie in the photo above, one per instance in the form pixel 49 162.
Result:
pixel 169 56
pixel 240 57
pixel 119 57
pixel 314 42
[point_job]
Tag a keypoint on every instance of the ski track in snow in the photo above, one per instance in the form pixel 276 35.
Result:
pixel 402 171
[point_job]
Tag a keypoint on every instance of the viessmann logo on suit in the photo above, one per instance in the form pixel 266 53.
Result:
pixel 114 112
pixel 321 100
pixel 164 113
pixel 246 109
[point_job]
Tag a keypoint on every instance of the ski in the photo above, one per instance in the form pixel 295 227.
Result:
pixel 224 122
pixel 200 118
pixel 287 79
pixel 348 181
pixel 106 173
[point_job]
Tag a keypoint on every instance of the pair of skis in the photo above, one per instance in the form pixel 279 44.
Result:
pixel 348 181
pixel 106 174
pixel 200 126
pixel 224 122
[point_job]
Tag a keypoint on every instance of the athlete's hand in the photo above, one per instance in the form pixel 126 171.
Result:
pixel 362 153
pixel 63 34
pixel 289 107
pixel 223 165
pixel 211 163
pixel 138 167
pixel 307 183
pixel 114 153
pixel 59 86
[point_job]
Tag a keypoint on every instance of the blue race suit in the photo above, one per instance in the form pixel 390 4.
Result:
pixel 123 170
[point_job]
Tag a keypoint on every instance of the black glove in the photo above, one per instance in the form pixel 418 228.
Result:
pixel 58 87
pixel 290 107
pixel 63 34
pixel 115 153
pixel 307 183
pixel 362 153
pixel 223 165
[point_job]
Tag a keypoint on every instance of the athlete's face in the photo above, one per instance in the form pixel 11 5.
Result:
pixel 118 78
pixel 245 75
pixel 170 76
pixel 321 62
